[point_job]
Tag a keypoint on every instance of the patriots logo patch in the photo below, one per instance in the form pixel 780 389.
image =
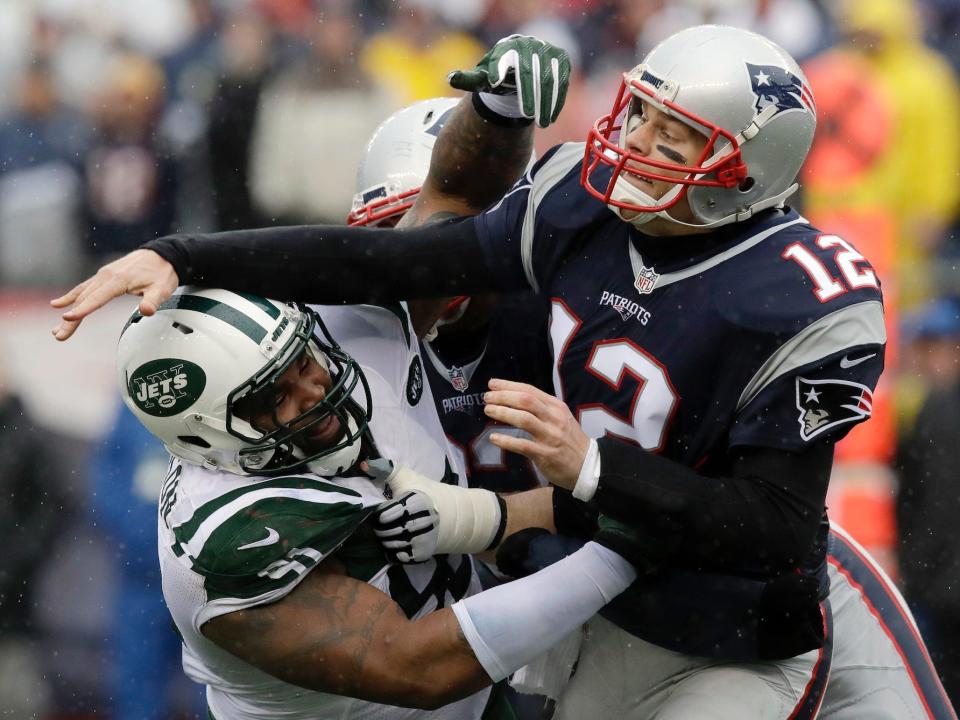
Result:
pixel 825 404
pixel 774 85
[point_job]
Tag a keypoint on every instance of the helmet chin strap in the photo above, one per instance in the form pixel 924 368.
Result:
pixel 340 461
pixel 623 190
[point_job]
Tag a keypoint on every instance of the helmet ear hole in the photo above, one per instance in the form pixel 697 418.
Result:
pixel 193 440
pixel 746 185
pixel 186 330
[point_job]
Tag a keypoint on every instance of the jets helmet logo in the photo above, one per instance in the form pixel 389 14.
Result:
pixel 166 386
pixel 774 85
pixel 825 404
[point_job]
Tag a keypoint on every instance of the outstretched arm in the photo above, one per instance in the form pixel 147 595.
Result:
pixel 339 635
pixel 319 264
pixel 475 162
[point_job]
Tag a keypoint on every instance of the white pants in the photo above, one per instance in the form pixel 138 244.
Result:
pixel 620 676
pixel 880 667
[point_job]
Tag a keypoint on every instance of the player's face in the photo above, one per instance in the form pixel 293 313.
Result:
pixel 653 134
pixel 296 391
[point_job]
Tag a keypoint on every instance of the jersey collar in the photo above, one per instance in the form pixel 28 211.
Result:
pixel 674 253
pixel 748 235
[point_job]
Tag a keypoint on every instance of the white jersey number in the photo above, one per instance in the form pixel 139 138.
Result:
pixel 611 361
pixel 847 260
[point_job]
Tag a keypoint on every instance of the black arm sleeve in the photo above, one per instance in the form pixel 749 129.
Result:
pixel 762 519
pixel 336 264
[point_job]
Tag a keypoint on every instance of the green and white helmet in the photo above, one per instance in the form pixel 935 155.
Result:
pixel 183 370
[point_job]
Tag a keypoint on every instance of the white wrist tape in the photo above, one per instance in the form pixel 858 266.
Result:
pixel 467 519
pixel 507 106
pixel 589 478
pixel 511 624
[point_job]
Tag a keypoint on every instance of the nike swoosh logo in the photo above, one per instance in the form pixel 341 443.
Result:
pixel 270 539
pixel 846 362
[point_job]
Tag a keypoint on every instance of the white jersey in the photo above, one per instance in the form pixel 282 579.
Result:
pixel 405 422
pixel 229 542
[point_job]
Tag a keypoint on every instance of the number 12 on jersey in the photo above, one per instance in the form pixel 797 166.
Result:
pixel 847 259
pixel 613 361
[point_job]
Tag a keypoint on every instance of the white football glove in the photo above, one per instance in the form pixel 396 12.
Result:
pixel 407 528
pixel 469 520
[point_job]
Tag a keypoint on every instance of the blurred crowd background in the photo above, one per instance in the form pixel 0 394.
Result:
pixel 121 120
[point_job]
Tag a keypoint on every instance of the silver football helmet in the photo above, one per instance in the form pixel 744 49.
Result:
pixel 396 162
pixel 744 93
pixel 183 371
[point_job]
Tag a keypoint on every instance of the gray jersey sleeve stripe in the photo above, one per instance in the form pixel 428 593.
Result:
pixel 547 177
pixel 860 324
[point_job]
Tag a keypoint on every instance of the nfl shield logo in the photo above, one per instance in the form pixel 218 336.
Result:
pixel 457 379
pixel 646 280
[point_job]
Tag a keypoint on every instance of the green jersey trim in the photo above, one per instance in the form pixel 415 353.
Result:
pixel 272 545
pixel 258 538
pixel 186 532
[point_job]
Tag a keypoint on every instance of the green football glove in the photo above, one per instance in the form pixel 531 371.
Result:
pixel 535 72
pixel 628 542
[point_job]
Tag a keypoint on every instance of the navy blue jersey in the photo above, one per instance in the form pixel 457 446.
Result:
pixel 774 336
pixel 771 335
pixel 516 348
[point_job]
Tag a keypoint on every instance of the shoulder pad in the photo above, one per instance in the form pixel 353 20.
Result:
pixel 793 279
pixel 261 536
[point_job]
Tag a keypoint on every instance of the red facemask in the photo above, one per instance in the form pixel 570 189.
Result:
pixel 604 150
pixel 381 211
pixel 387 212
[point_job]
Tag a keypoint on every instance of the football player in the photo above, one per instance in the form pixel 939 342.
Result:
pixel 278 588
pixel 709 348
pixel 874 627
pixel 474 338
